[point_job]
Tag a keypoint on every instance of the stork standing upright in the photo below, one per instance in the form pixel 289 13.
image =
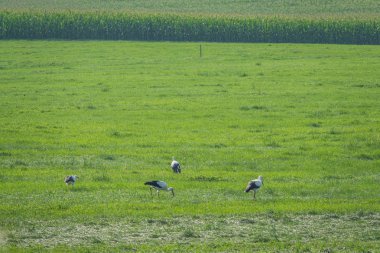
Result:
pixel 159 186
pixel 176 167
pixel 70 180
pixel 255 185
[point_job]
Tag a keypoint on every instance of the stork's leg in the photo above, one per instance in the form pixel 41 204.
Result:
pixel 151 194
pixel 254 194
pixel 158 193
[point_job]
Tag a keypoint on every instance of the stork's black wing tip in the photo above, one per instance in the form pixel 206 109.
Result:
pixel 153 183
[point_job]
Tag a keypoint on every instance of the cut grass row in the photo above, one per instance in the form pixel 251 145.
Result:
pixel 229 231
pixel 165 27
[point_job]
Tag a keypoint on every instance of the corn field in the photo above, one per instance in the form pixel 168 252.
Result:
pixel 159 27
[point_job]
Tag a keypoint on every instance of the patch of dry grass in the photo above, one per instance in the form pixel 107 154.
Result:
pixel 264 228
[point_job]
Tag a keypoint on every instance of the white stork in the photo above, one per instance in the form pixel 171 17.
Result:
pixel 255 185
pixel 176 167
pixel 159 185
pixel 70 180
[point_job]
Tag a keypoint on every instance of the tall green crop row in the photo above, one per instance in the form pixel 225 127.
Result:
pixel 158 27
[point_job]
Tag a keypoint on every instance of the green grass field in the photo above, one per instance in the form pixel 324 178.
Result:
pixel 342 8
pixel 306 117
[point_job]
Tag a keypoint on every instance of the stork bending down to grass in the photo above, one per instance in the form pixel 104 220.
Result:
pixel 159 186
pixel 255 185
pixel 176 167
pixel 70 180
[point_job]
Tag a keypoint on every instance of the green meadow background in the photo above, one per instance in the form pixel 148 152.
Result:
pixel 342 8
pixel 114 113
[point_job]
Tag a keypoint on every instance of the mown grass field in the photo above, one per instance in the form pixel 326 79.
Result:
pixel 306 117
